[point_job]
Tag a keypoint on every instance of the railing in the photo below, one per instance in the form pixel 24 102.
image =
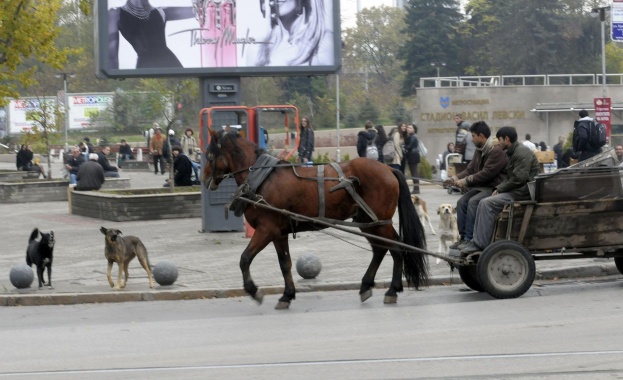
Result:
pixel 521 80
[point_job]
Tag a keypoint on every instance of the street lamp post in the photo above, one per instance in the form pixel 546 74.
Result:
pixel 601 12
pixel 438 66
pixel 66 100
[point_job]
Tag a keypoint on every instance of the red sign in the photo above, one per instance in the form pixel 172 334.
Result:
pixel 603 112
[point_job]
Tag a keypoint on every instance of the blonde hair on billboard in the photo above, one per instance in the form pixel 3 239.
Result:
pixel 305 35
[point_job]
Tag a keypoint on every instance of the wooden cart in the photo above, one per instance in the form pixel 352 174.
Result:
pixel 555 227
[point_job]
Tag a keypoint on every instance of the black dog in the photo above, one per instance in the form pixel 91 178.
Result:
pixel 40 253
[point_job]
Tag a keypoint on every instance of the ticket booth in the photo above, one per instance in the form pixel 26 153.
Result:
pixel 276 126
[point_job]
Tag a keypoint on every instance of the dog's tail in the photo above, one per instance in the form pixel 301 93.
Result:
pixel 412 233
pixel 34 235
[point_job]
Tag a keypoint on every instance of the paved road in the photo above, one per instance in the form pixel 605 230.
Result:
pixel 207 262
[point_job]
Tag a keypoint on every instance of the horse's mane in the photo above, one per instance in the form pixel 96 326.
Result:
pixel 230 137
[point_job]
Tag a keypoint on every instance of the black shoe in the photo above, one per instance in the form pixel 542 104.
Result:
pixel 162 173
pixel 156 173
pixel 470 248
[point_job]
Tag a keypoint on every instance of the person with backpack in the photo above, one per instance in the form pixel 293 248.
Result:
pixel 587 141
pixel 306 142
pixel 412 156
pixel 369 143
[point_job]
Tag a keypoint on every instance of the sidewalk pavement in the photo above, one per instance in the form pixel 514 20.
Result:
pixel 208 263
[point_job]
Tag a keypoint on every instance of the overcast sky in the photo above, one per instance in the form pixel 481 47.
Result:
pixel 349 9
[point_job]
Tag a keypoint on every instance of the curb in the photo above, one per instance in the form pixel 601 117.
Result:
pixel 588 271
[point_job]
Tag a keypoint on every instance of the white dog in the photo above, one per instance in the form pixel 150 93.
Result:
pixel 448 227
pixel 422 212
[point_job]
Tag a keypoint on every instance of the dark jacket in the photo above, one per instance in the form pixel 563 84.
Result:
pixel 22 160
pixel 366 136
pixel 103 161
pixel 306 144
pixel 183 169
pixel 522 167
pixel 581 133
pixel 75 163
pixel 126 149
pixel 412 151
pixel 90 176
pixel 487 168
pixel 173 141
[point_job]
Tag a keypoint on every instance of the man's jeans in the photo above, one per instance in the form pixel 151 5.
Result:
pixel 488 211
pixel 466 210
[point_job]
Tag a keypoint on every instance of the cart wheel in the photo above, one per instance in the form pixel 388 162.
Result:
pixel 506 269
pixel 450 190
pixel 469 275
pixel 618 261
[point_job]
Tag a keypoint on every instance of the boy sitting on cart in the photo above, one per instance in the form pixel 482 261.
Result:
pixel 486 171
pixel 522 167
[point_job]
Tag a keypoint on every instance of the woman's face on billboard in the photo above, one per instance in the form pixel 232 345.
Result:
pixel 286 7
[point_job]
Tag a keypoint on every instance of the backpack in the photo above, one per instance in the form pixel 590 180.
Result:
pixel 422 148
pixel 597 135
pixel 389 152
pixel 372 151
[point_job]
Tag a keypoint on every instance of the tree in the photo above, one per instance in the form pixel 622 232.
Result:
pixel 45 115
pixel 371 67
pixel 27 30
pixel 529 37
pixel 374 43
pixel 431 36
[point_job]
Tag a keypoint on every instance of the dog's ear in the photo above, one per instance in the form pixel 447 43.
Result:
pixel 119 232
pixel 439 210
pixel 453 210
pixel 103 230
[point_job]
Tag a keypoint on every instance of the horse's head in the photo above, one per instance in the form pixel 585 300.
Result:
pixel 217 167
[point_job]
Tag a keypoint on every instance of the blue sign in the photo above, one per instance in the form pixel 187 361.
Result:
pixel 617 20
pixel 444 101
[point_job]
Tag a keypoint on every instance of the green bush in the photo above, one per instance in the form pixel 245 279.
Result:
pixel 424 169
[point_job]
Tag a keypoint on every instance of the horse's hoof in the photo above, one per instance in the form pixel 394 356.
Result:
pixel 259 297
pixel 282 305
pixel 390 299
pixel 365 295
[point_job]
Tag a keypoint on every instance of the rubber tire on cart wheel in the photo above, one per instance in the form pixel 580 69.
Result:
pixel 469 275
pixel 618 261
pixel 506 269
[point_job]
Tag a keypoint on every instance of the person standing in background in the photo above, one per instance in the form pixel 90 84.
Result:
pixel 156 146
pixel 306 142
pixel 412 154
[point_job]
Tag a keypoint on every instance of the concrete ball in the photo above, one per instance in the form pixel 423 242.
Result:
pixel 21 276
pixel 308 266
pixel 165 272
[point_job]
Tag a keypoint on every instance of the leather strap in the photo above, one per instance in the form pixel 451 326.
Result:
pixel 321 200
pixel 348 185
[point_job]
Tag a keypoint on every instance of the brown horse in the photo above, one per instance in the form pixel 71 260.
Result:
pixel 296 189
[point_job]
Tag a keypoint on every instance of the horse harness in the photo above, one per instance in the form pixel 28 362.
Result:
pixel 264 166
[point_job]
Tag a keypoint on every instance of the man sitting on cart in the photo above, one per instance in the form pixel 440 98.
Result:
pixel 522 167
pixel 486 171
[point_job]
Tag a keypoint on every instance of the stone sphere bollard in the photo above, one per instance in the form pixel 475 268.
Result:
pixel 165 273
pixel 308 266
pixel 21 276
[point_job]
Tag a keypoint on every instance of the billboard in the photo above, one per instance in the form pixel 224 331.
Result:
pixel 18 121
pixel 202 38
pixel 83 106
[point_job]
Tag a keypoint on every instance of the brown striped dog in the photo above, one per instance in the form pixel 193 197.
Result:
pixel 121 250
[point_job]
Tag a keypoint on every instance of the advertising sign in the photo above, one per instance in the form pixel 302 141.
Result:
pixel 217 37
pixel 617 20
pixel 18 119
pixel 83 106
pixel 603 112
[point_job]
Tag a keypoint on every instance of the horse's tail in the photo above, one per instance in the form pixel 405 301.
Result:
pixel 415 266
